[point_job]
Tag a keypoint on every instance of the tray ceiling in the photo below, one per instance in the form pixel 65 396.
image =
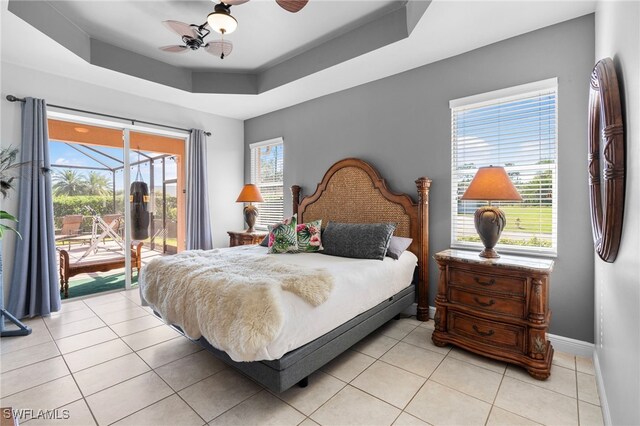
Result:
pixel 272 47
pixel 476 24
pixel 266 33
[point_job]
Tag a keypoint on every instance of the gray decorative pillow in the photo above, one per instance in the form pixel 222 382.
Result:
pixel 265 241
pixel 397 246
pixel 357 240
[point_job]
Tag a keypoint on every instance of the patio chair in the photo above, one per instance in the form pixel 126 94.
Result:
pixel 70 228
pixel 107 226
pixel 117 227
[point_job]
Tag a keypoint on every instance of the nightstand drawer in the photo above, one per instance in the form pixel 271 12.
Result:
pixel 488 303
pixel 245 238
pixel 505 336
pixel 495 307
pixel 499 283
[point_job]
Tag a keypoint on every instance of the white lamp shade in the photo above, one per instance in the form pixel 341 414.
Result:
pixel 222 22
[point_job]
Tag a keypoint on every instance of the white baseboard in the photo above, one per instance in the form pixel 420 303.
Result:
pixel 571 346
pixel 560 343
pixel 606 414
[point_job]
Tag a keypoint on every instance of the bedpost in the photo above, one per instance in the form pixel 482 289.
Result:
pixel 295 195
pixel 423 184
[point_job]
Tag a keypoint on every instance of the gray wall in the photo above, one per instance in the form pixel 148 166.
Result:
pixel 618 283
pixel 401 124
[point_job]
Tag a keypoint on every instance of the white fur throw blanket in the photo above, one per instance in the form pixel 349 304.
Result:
pixel 230 298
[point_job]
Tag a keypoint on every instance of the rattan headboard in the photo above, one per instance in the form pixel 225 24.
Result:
pixel 352 191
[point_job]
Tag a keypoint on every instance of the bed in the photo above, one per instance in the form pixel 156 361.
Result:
pixel 351 191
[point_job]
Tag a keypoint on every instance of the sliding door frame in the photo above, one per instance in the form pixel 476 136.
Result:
pixel 126 129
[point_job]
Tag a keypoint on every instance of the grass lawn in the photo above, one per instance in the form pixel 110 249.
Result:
pixel 535 219
pixel 533 228
pixel 170 242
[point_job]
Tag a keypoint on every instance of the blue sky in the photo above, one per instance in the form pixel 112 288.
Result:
pixel 62 153
pixel 529 123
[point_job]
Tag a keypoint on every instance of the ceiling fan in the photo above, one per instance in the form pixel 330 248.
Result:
pixel 220 21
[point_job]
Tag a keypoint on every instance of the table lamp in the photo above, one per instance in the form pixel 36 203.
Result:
pixel 250 194
pixel 490 184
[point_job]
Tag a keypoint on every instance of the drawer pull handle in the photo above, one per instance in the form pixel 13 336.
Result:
pixel 483 333
pixel 487 283
pixel 481 303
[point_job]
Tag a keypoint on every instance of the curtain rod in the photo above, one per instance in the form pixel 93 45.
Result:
pixel 12 98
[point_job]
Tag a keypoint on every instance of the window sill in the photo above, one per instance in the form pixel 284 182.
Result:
pixel 546 254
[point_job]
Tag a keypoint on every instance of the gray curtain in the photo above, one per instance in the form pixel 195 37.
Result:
pixel 34 283
pixel 198 222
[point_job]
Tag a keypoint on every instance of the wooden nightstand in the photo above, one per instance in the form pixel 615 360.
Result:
pixel 495 307
pixel 243 238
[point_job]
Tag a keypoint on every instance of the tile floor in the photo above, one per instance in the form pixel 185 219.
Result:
pixel 106 360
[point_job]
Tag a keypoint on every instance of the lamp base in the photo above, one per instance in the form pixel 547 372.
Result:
pixel 489 221
pixel 250 214
pixel 489 254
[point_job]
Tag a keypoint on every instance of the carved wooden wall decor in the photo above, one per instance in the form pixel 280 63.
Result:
pixel 605 124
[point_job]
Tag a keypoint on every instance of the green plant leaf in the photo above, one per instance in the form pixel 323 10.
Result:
pixel 4 228
pixel 7 216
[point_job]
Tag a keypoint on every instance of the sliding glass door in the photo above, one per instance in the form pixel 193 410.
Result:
pixel 115 186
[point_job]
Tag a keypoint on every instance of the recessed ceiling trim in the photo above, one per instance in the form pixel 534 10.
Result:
pixel 106 55
pixel 389 28
pixel 47 19
pixel 415 10
pixel 371 36
pixel 224 82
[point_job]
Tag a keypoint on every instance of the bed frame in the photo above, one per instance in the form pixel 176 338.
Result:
pixel 351 191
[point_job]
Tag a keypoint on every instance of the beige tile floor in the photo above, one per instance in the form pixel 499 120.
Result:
pixel 106 360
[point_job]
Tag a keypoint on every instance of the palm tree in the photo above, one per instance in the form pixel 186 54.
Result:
pixel 97 184
pixel 69 182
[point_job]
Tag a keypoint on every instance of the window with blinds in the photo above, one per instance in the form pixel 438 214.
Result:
pixel 515 128
pixel 267 162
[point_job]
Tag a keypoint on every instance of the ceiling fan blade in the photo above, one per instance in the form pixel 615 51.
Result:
pixel 181 28
pixel 221 48
pixel 234 2
pixel 174 49
pixel 292 6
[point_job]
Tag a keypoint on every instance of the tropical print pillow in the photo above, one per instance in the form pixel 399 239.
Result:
pixel 309 236
pixel 283 237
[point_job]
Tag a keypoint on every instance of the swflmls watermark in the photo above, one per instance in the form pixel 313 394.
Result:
pixel 30 414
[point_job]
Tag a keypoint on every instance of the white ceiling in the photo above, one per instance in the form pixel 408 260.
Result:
pixel 266 34
pixel 447 28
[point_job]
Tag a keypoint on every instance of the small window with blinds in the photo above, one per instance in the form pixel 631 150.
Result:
pixel 515 128
pixel 267 163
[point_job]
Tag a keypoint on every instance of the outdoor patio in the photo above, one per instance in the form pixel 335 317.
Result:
pixel 95 282
pixel 89 200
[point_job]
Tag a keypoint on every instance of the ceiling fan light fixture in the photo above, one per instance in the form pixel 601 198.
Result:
pixel 221 21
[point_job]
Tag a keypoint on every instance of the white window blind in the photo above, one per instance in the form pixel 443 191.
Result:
pixel 267 163
pixel 517 129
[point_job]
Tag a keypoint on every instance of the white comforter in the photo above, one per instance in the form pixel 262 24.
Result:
pixel 359 284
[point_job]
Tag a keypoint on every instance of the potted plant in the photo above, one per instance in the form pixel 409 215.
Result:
pixel 7 163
